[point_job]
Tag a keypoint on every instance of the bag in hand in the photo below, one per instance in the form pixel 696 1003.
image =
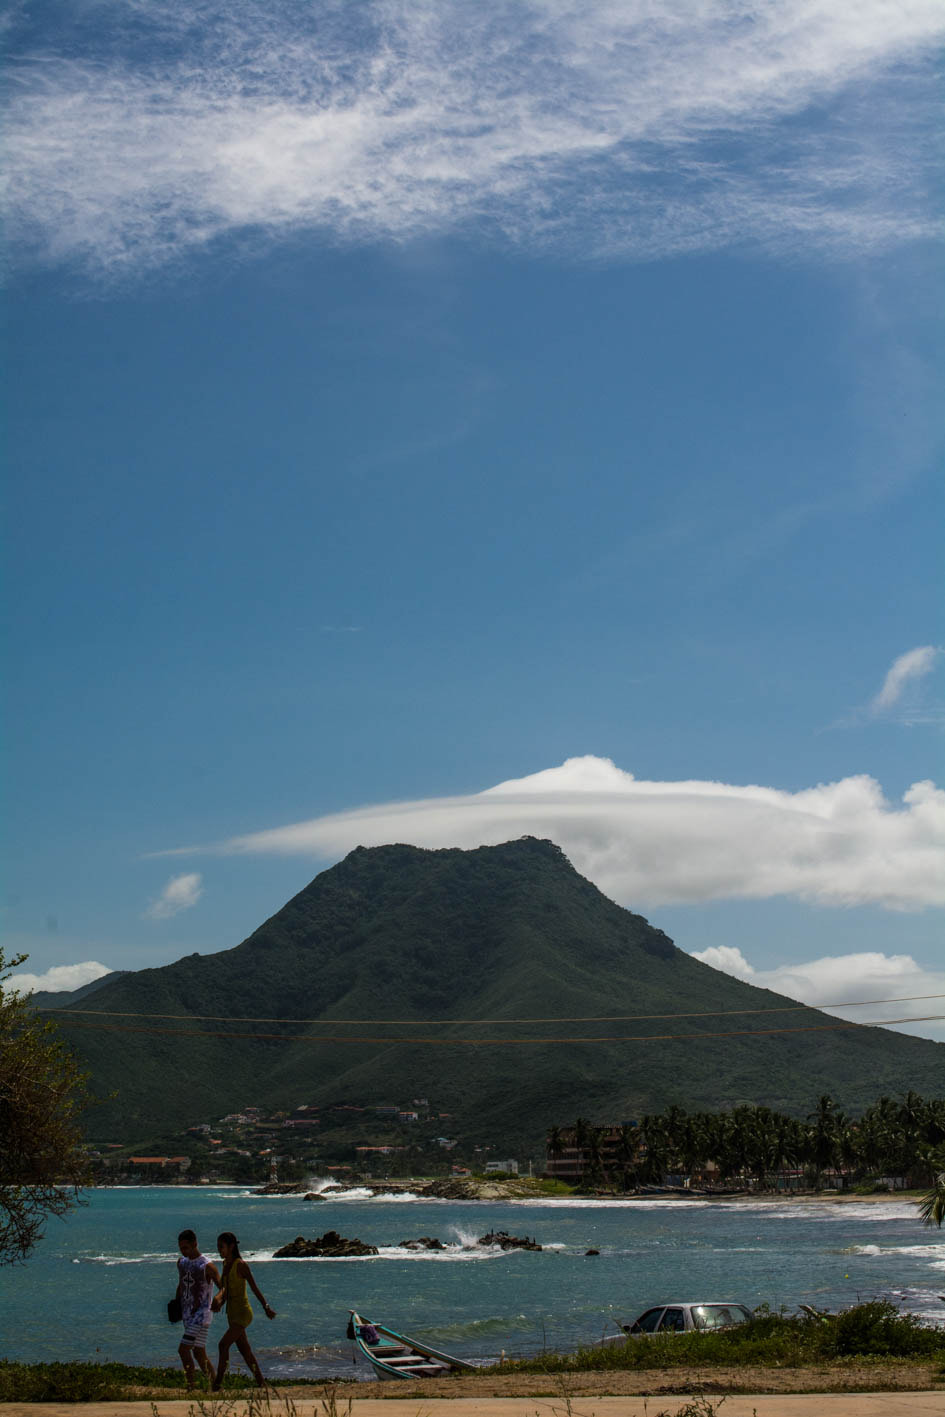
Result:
pixel 174 1311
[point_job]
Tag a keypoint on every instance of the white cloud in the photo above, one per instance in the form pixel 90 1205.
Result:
pixel 659 843
pixel 180 893
pixel 604 128
pixel 836 978
pixel 60 977
pixel 915 664
pixel 728 958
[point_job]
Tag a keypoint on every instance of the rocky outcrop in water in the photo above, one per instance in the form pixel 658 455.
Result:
pixel 426 1242
pixel 280 1188
pixel 505 1241
pixel 331 1245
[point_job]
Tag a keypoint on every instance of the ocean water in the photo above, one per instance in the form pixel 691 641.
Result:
pixel 97 1286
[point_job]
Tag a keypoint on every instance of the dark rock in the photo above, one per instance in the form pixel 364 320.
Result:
pixel 331 1245
pixel 505 1241
pixel 280 1188
pixel 426 1242
pixel 592 1252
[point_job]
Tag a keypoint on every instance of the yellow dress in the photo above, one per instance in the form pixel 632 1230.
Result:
pixel 238 1310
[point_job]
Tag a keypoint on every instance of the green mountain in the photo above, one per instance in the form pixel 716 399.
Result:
pixel 500 933
pixel 46 999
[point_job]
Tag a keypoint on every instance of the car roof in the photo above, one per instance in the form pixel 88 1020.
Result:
pixel 696 1303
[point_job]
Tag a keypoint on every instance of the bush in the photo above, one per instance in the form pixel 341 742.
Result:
pixel 62 1382
pixel 872 1330
pixel 879 1329
pixel 87 1382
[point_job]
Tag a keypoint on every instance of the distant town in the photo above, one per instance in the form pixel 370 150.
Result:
pixel 888 1148
pixel 372 1140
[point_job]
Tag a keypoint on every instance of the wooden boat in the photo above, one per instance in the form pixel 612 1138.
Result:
pixel 395 1356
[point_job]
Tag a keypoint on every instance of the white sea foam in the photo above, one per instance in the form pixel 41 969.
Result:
pixel 452 1254
pixel 320 1184
pixel 157 1186
pixel 163 1256
pixel 610 1203
pixel 465 1238
pixel 934 1251
pixel 824 1210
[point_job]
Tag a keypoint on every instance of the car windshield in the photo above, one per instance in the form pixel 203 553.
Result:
pixel 718 1315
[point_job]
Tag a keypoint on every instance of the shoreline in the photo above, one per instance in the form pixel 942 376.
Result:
pixel 524 1189
pixel 473 1190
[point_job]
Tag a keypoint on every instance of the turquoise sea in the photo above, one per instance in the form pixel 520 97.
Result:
pixel 97 1286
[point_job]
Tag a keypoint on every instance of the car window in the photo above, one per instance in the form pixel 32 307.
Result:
pixel 647 1322
pixel 718 1315
pixel 674 1321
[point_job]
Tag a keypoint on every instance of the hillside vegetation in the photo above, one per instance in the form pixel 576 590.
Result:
pixel 501 933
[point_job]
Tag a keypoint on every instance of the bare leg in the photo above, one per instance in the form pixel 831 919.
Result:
pixel 249 1357
pixel 206 1367
pixel 187 1360
pixel 226 1342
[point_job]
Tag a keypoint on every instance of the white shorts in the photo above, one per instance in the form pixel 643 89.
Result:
pixel 195 1334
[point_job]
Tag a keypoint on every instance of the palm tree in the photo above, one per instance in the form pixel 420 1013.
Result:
pixel 823 1136
pixel 657 1151
pixel 596 1172
pixel 584 1139
pixel 625 1153
pixel 932 1204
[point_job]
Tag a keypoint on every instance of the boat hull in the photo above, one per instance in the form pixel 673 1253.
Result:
pixel 399 1358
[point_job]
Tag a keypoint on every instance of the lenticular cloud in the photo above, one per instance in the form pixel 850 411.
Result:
pixel 142 131
pixel 661 843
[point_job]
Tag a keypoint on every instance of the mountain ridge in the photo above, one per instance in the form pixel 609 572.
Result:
pixel 502 933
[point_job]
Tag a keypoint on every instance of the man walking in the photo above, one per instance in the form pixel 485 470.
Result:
pixel 195 1276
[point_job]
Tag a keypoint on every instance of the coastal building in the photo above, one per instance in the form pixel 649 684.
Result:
pixel 569 1160
pixel 160 1163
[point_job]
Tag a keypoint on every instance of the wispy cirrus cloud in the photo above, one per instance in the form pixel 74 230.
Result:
pixel 181 893
pixel 151 130
pixel 905 671
pixel 660 843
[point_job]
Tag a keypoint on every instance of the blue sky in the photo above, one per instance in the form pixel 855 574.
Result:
pixel 406 403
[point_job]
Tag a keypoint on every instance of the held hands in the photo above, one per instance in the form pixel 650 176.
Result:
pixel 216 1304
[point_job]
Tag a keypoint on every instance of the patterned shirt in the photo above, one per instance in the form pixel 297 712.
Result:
pixel 195 1289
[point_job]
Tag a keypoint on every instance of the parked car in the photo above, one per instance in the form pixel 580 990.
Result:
pixel 684 1318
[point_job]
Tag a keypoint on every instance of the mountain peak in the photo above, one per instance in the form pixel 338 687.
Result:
pixel 505 943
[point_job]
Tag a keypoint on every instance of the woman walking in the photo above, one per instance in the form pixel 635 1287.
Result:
pixel 236 1275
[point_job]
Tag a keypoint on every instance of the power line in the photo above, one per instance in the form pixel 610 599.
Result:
pixel 441 1022
pixel 493 1042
